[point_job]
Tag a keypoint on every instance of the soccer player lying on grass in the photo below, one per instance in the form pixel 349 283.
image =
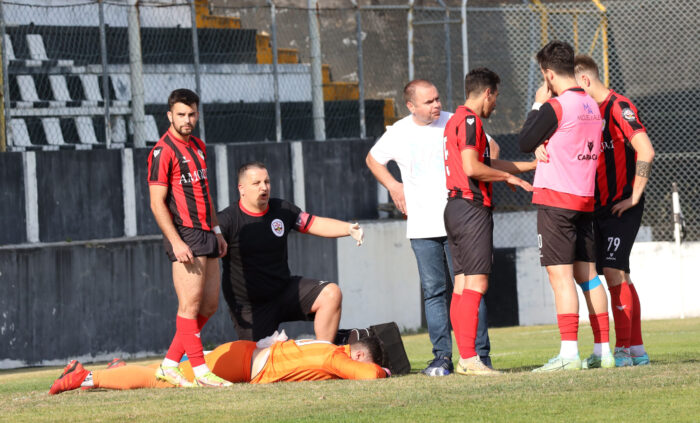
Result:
pixel 246 362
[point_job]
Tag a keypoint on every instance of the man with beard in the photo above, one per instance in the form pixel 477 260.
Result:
pixel 277 360
pixel 569 128
pixel 184 211
pixel 469 172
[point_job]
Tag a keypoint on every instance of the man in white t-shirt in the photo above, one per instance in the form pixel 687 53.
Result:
pixel 415 144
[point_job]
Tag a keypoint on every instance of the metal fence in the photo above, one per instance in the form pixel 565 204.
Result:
pixel 87 73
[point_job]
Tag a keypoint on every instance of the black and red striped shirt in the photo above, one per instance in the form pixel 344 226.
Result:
pixel 464 130
pixel 181 167
pixel 617 164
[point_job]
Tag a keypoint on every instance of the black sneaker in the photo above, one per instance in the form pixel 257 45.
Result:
pixel 439 367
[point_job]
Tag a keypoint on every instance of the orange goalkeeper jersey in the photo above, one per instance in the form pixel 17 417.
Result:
pixel 300 360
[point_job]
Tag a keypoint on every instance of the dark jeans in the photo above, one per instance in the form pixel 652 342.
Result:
pixel 435 270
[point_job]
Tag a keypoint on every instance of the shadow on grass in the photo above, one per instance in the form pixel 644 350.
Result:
pixel 521 369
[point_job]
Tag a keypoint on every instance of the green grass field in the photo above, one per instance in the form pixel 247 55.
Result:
pixel 667 390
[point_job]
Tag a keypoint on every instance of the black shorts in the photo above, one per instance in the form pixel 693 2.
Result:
pixel 564 236
pixel 469 229
pixel 615 237
pixel 256 321
pixel 202 243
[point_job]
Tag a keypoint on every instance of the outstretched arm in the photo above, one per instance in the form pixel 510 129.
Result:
pixel 513 167
pixel 333 228
pixel 477 170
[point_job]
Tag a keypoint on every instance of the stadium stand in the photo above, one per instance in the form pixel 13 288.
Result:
pixel 55 85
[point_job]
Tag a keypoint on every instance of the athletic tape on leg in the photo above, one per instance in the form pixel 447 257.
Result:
pixel 592 284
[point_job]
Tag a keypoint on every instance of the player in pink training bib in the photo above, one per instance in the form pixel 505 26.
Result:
pixel 565 134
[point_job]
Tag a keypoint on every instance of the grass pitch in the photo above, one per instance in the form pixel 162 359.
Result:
pixel 667 390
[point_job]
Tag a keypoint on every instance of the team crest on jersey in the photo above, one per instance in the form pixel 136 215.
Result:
pixel 628 114
pixel 201 154
pixel 470 121
pixel 156 152
pixel 277 227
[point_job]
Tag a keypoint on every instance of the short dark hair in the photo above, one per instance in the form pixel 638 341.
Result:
pixel 557 56
pixel 183 95
pixel 479 79
pixel 250 165
pixel 374 348
pixel 410 89
pixel 585 63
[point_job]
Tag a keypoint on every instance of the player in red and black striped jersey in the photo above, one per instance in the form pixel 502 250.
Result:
pixel 622 174
pixel 180 166
pixel 468 219
pixel 182 206
pixel 258 286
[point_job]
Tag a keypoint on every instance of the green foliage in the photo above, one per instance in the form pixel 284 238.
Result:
pixel 667 390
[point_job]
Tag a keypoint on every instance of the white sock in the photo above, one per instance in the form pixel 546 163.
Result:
pixel 169 363
pixel 627 350
pixel 637 350
pixel 88 381
pixel 601 349
pixel 569 349
pixel 200 370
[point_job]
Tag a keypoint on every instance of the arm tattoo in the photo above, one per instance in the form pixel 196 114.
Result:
pixel 643 169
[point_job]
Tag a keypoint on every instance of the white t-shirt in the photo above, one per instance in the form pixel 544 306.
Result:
pixel 418 152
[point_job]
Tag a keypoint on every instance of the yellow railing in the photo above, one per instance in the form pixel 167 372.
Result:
pixel 601 30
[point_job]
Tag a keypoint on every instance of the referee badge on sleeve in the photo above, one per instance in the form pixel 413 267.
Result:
pixel 277 227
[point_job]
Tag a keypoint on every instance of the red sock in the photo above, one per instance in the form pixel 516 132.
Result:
pixel 636 331
pixel 188 331
pixel 568 326
pixel 622 306
pixel 176 350
pixel 467 314
pixel 201 321
pixel 600 323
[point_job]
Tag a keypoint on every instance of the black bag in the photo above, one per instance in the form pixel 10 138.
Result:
pixel 395 356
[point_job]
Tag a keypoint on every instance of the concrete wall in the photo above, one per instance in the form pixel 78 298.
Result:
pixel 53 196
pixel 663 274
pixel 97 299
pixel 380 279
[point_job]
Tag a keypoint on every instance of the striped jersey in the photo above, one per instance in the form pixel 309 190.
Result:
pixel 464 130
pixel 181 167
pixel 617 164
